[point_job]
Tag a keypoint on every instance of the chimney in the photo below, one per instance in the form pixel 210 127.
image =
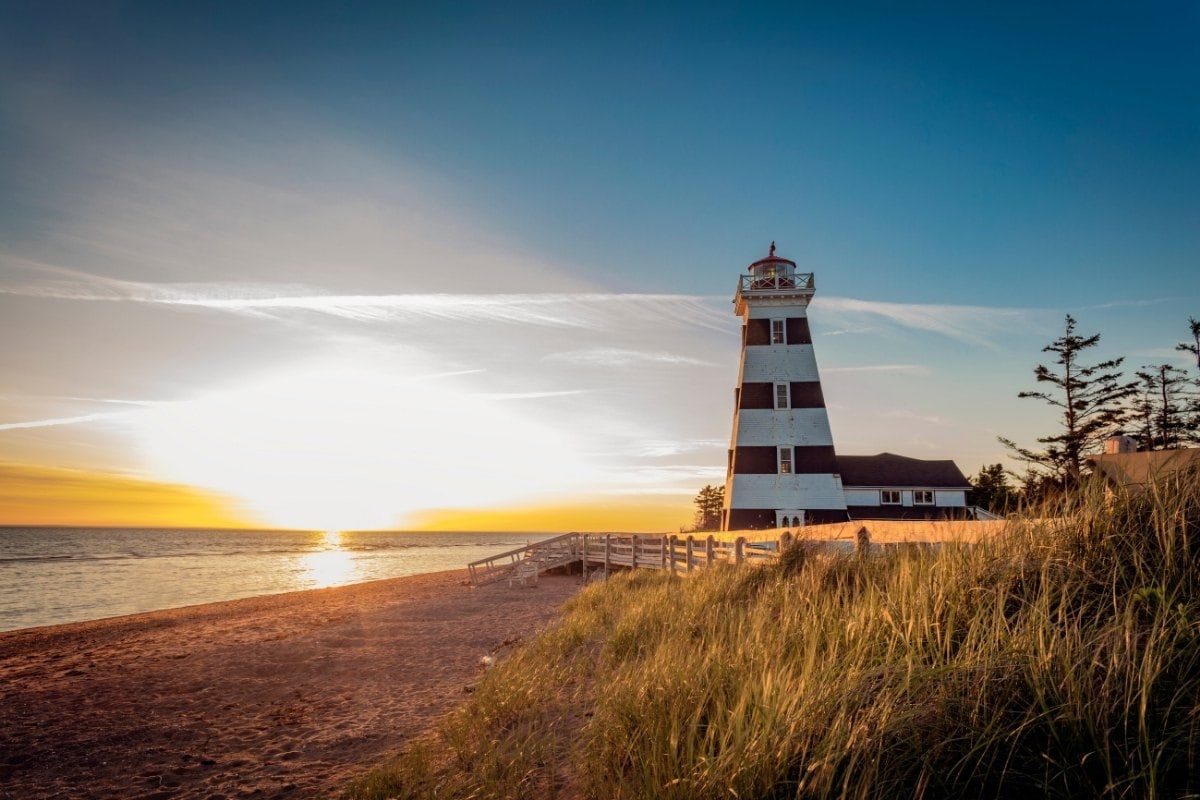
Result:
pixel 1120 444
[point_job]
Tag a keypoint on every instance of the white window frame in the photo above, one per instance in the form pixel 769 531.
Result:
pixel 883 497
pixel 789 518
pixel 920 494
pixel 779 336
pixel 785 463
pixel 783 396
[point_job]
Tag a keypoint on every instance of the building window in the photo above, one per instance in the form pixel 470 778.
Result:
pixel 785 461
pixel 778 332
pixel 889 497
pixel 922 497
pixel 782 400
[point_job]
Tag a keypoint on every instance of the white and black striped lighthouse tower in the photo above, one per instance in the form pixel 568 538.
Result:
pixel 782 468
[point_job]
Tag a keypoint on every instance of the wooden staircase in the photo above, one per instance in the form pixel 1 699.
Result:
pixel 526 563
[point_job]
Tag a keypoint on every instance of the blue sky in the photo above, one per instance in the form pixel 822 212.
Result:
pixel 546 207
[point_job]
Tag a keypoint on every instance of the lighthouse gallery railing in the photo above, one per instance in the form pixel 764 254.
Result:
pixel 767 283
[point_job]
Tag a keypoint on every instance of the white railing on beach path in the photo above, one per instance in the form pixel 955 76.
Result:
pixel 608 551
pixel 603 552
pixel 546 554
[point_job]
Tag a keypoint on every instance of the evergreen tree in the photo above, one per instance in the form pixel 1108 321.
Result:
pixel 708 508
pixel 1038 487
pixel 990 490
pixel 1163 408
pixel 1192 347
pixel 1091 399
pixel 1190 432
pixel 1142 412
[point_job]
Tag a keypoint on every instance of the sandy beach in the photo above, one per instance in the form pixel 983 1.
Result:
pixel 288 695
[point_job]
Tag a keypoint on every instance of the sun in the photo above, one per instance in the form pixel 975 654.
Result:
pixel 336 447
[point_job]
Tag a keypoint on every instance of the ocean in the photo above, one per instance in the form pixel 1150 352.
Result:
pixel 49 576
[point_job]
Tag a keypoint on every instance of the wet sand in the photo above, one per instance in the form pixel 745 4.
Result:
pixel 289 695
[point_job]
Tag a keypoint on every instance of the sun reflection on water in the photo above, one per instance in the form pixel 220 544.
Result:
pixel 332 565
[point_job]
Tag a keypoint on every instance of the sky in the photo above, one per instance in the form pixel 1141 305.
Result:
pixel 462 266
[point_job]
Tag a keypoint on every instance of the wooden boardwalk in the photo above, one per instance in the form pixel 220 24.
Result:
pixel 605 552
pixel 601 553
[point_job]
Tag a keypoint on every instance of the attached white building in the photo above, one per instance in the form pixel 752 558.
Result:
pixel 888 486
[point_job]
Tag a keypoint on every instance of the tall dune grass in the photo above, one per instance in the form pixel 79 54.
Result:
pixel 1060 660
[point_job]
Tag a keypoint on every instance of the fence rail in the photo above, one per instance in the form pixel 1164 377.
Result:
pixel 608 551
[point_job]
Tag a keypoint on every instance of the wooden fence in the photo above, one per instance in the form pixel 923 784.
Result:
pixel 604 552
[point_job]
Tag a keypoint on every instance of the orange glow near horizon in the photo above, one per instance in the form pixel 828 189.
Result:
pixel 35 495
pixel 666 513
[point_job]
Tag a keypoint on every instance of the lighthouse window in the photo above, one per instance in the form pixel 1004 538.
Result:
pixel 785 461
pixel 778 332
pixel 781 396
pixel 889 497
pixel 922 497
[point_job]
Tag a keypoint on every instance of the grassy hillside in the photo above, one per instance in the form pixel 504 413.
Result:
pixel 1061 660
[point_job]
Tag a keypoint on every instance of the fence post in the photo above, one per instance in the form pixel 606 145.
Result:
pixel 785 541
pixel 739 550
pixel 708 551
pixel 671 552
pixel 607 554
pixel 583 557
pixel 690 549
pixel 862 541
pixel 633 551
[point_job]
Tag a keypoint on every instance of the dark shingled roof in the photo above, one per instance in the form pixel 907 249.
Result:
pixel 889 469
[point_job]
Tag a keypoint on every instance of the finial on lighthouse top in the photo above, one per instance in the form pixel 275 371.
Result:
pixel 772 261
pixel 773 279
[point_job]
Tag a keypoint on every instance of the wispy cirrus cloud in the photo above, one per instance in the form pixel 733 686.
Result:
pixel 978 325
pixel 658 448
pixel 846 331
pixel 550 309
pixel 530 395
pixel 1129 303
pixel 619 357
pixel 56 421
pixel 911 369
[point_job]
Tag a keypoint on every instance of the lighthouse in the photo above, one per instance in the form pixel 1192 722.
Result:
pixel 782 470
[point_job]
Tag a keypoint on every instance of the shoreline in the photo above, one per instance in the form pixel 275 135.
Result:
pixel 281 695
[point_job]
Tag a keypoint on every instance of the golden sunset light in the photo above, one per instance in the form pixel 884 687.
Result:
pixel 591 400
pixel 34 495
pixel 338 447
